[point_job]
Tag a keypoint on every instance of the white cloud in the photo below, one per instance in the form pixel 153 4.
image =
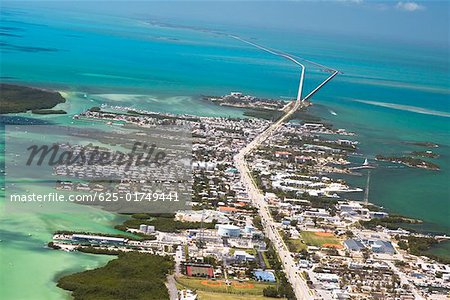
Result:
pixel 409 6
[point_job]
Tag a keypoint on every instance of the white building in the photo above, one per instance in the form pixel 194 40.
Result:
pixel 225 230
pixel 241 255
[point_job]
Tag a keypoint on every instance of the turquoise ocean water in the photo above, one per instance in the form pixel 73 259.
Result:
pixel 389 93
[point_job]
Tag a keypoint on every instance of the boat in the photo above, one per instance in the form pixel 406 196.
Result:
pixel 187 295
pixel 365 165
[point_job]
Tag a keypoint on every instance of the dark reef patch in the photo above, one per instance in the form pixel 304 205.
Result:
pixel 13 47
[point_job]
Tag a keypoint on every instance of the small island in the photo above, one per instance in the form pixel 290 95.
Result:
pixel 422 144
pixel 261 108
pixel 49 112
pixel 17 99
pixel 409 161
pixel 427 154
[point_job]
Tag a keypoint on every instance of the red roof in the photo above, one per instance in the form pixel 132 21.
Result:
pixel 227 209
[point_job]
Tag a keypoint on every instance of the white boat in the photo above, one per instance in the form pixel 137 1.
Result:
pixel 187 295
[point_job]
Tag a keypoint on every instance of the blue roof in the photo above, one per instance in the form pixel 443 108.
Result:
pixel 265 276
pixel 383 247
pixel 354 245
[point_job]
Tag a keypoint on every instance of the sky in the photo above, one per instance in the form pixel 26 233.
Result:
pixel 415 21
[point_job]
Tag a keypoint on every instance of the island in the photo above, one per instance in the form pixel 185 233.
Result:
pixel 263 108
pixel 49 112
pixel 409 161
pixel 17 99
pixel 422 144
pixel 237 99
pixel 428 154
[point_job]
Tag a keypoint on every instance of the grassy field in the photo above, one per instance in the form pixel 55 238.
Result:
pixel 296 245
pixel 222 296
pixel 219 286
pixel 312 238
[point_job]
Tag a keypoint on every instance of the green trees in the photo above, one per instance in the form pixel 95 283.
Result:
pixel 391 222
pixel 131 276
pixel 284 288
pixel 420 246
pixel 16 98
pixel 403 245
pixel 271 291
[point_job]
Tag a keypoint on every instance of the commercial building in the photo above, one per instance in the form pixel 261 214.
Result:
pixel 200 270
pixel 98 239
pixel 377 246
pixel 353 245
pixel 241 255
pixel 225 230
pixel 146 228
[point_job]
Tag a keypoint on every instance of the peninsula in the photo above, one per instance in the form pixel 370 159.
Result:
pixel 237 99
pixel 17 99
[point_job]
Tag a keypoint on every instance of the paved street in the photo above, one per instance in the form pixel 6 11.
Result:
pixel 302 291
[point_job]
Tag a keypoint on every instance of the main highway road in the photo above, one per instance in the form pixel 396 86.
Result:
pixel 299 285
